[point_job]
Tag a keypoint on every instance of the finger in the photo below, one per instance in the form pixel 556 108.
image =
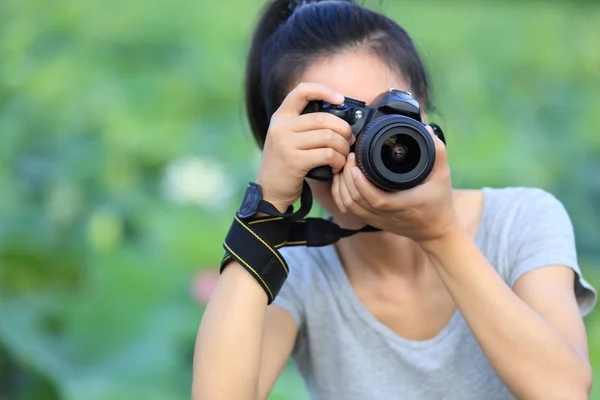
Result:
pixel 430 130
pixel 440 147
pixel 345 195
pixel 335 193
pixel 320 139
pixel 349 182
pixel 322 120
pixel 375 197
pixel 441 155
pixel 350 205
pixel 296 101
pixel 309 159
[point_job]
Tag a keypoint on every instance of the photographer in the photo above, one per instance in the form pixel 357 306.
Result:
pixel 462 294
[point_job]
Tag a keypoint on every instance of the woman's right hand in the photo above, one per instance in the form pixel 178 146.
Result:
pixel 297 143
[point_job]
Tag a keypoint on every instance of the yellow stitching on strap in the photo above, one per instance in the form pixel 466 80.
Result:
pixel 263 242
pixel 253 271
pixel 300 242
pixel 258 221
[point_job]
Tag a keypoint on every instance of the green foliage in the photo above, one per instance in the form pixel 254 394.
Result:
pixel 104 105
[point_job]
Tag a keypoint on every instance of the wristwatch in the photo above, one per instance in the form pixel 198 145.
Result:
pixel 253 203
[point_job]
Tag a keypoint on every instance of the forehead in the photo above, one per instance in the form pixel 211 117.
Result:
pixel 358 73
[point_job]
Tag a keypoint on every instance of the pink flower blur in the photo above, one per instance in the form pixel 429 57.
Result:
pixel 203 285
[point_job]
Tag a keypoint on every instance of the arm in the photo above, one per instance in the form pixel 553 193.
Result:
pixel 230 360
pixel 534 336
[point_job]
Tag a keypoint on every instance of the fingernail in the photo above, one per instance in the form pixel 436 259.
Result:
pixel 354 172
pixel 339 99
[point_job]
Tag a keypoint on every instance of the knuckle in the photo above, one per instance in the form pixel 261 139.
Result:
pixel 274 126
pixel 330 155
pixel 347 202
pixel 328 135
pixel 319 118
pixel 439 145
pixel 345 128
pixel 379 203
pixel 302 88
pixel 345 147
pixel 273 133
pixel 275 117
pixel 342 207
pixel 276 135
pixel 281 144
pixel 355 208
pixel 441 151
pixel 355 196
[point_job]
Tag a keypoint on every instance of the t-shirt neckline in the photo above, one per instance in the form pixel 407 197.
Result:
pixel 331 258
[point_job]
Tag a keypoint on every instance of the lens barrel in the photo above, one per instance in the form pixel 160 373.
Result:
pixel 395 152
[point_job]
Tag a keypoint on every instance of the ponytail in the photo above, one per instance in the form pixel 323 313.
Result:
pixel 273 16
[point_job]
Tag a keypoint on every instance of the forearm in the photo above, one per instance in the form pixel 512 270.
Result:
pixel 228 346
pixel 530 356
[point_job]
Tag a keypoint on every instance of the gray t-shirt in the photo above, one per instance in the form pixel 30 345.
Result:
pixel 344 353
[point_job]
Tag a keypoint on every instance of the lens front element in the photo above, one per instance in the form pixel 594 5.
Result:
pixel 400 153
pixel 395 152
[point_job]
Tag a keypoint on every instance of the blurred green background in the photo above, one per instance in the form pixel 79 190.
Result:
pixel 124 151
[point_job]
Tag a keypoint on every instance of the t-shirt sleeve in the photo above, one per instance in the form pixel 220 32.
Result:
pixel 543 236
pixel 292 294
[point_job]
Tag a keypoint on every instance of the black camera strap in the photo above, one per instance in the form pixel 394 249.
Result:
pixel 254 242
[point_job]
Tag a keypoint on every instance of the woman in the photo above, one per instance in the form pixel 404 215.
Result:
pixel 462 295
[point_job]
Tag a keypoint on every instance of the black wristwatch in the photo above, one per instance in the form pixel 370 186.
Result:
pixel 253 203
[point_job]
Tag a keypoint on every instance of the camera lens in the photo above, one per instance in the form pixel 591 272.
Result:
pixel 400 154
pixel 395 152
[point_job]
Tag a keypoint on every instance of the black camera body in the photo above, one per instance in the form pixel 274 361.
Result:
pixel 393 148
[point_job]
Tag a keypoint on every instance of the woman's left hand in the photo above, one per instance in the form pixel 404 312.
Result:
pixel 423 213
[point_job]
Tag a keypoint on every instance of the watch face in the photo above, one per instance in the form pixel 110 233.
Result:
pixel 250 202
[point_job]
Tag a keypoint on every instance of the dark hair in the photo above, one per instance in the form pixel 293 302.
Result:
pixel 291 35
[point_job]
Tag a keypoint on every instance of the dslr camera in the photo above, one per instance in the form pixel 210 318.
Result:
pixel 393 148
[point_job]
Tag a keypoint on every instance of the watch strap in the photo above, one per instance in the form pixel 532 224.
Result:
pixel 253 203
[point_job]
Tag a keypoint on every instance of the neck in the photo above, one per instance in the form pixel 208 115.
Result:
pixel 387 254
pixel 382 254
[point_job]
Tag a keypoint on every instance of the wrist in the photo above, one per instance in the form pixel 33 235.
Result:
pixel 281 206
pixel 267 195
pixel 452 236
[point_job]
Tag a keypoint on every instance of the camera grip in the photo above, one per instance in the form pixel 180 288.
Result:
pixel 323 174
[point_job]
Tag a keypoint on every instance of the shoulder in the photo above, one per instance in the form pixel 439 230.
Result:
pixel 519 197
pixel 529 228
pixel 520 207
pixel 519 224
pixel 526 228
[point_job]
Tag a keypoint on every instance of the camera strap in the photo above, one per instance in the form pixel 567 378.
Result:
pixel 254 242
